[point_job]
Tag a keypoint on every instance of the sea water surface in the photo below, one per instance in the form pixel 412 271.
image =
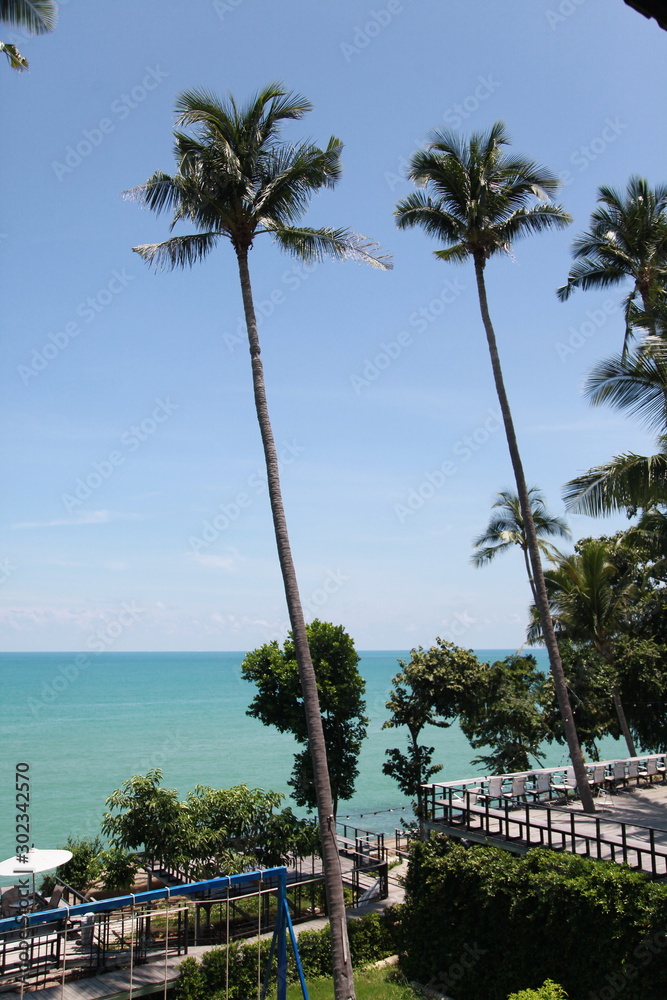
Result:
pixel 87 722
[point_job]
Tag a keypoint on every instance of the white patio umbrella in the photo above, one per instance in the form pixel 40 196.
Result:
pixel 34 861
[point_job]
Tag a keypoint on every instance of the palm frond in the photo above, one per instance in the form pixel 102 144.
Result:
pixel 179 251
pixel 38 16
pixel 336 244
pixel 627 481
pixel 16 60
pixel 634 382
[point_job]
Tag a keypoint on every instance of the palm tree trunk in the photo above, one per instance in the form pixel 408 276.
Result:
pixel 541 598
pixel 623 722
pixel 342 966
pixel 530 575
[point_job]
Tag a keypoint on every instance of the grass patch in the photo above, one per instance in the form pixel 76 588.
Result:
pixel 385 983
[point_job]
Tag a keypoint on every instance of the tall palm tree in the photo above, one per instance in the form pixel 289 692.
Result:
pixel 506 529
pixel 237 180
pixel 479 199
pixel 589 599
pixel 37 16
pixel 627 238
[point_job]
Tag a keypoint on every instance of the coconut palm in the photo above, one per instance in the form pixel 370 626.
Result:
pixel 589 600
pixel 477 200
pixel 506 530
pixel 627 239
pixel 36 16
pixel 238 181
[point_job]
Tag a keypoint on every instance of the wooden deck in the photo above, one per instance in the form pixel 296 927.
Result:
pixel 629 827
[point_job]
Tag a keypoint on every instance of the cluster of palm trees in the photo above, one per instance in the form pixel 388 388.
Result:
pixel 591 592
pixel 238 181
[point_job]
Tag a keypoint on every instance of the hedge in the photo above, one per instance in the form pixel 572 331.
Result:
pixel 479 923
pixel 372 937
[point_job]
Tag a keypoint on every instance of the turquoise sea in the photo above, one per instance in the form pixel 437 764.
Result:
pixel 86 722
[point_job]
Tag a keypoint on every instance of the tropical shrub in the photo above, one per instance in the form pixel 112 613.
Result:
pixel 480 923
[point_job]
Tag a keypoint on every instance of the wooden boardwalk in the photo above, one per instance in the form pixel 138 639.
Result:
pixel 629 827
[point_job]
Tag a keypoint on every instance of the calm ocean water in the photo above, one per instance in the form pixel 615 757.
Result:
pixel 85 723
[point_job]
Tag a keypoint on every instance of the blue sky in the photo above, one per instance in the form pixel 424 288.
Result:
pixel 135 514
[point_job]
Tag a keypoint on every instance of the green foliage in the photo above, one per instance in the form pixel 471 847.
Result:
pixel 548 991
pixel 119 869
pixel 480 923
pixel 148 817
pixel 213 832
pixel 279 703
pixel 83 868
pixel 506 713
pixel 191 982
pixel 429 690
pixel 371 937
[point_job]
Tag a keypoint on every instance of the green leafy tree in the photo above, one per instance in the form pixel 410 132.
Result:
pixel 82 869
pixel 36 16
pixel 478 199
pixel 233 829
pixel 626 241
pixel 547 991
pixel 119 870
pixel 429 690
pixel 340 688
pixel 238 180
pixel 506 530
pixel 144 816
pixel 506 713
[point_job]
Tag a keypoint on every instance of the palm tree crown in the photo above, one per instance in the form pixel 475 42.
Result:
pixel 627 238
pixel 236 179
pixel 478 198
pixel 506 529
